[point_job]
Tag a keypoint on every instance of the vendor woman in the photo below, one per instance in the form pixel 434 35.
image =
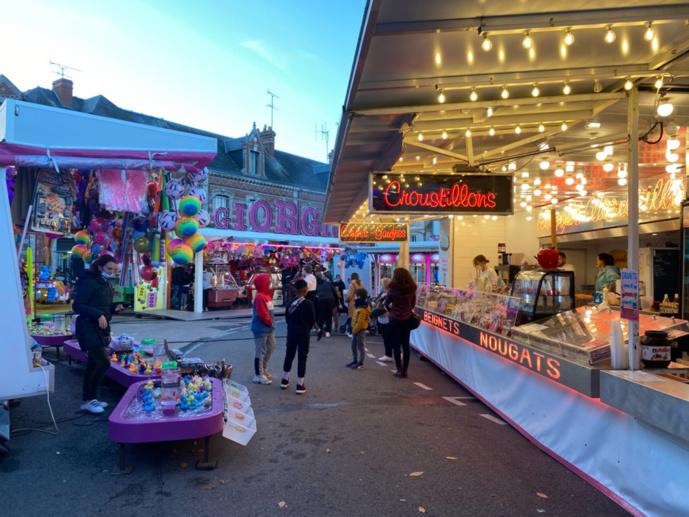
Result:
pixel 93 304
pixel 608 274
pixel 485 278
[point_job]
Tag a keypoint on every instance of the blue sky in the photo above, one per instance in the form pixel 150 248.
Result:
pixel 205 63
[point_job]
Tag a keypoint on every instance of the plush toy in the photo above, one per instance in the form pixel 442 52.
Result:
pixel 189 206
pixel 196 192
pixel 168 220
pixel 186 226
pixel 203 217
pixel 196 242
pixel 82 237
pixel 182 255
pixel 174 190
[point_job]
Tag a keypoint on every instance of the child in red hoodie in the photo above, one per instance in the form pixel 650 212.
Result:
pixel 262 326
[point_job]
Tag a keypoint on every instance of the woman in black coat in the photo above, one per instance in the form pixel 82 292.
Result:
pixel 93 304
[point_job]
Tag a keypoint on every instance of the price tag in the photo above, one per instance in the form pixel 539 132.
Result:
pixel 629 298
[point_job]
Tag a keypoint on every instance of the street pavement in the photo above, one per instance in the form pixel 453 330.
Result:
pixel 359 443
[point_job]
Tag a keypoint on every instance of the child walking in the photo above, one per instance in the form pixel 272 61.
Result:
pixel 362 314
pixel 263 329
pixel 301 317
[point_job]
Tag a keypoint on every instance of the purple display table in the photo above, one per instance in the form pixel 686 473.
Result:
pixel 52 341
pixel 116 372
pixel 126 427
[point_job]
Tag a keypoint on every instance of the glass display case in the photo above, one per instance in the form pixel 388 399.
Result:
pixel 487 311
pixel 543 293
pixel 583 335
pixel 224 290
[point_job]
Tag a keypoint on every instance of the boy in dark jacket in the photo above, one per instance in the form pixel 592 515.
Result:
pixel 263 329
pixel 301 317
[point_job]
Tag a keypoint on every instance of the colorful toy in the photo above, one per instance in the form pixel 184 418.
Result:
pixel 113 358
pixel 189 206
pixel 197 192
pixel 80 250
pixel 203 217
pixel 168 220
pixel 198 176
pixel 182 254
pixel 174 190
pixel 186 226
pixel 82 237
pixel 196 242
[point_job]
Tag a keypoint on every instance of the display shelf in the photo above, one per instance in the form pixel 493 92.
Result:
pixel 543 293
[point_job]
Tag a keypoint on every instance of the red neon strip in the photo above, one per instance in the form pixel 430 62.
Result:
pixel 457 196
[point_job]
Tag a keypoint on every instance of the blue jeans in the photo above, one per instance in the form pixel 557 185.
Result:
pixel 359 344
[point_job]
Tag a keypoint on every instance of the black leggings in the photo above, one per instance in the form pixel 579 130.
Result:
pixel 298 346
pixel 325 315
pixel 387 341
pixel 399 339
pixel 96 366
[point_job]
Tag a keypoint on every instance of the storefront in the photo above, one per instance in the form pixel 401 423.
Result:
pixel 507 125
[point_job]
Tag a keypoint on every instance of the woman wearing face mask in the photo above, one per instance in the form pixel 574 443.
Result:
pixel 93 304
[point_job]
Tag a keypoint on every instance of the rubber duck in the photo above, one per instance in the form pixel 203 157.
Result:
pixel 114 358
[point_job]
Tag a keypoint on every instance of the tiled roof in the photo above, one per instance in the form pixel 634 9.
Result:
pixel 282 168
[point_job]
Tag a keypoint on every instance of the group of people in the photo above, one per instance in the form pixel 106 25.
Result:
pixel 311 308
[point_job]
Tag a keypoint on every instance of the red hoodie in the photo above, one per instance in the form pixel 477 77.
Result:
pixel 263 298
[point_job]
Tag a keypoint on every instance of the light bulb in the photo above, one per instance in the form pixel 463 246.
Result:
pixel 512 166
pixel 467 133
pixel 486 43
pixel 622 182
pixel 623 173
pixel 505 93
pixel 529 208
pixel 420 137
pixel 434 161
pixel 597 86
pixel 443 135
pixel 569 181
pixel 522 204
pixel 554 201
pixel 673 144
pixel 541 128
pixel 518 130
pixel 544 165
pixel 610 35
pixel 563 127
pixel 601 156
pixel 473 96
pixel 673 168
pixel 569 167
pixel 559 172
pixel 569 37
pixel 537 192
pixel 672 157
pixel 525 187
pixel 441 97
pixel 608 149
pixel 658 82
pixel 628 84
pixel 566 89
pixel 537 181
pixel 525 174
pixel 535 92
pixel 665 108
pixel 650 34
pixel 491 132
pixel 608 166
pixel 548 197
pixel 527 42
pixel 579 188
pixel 489 112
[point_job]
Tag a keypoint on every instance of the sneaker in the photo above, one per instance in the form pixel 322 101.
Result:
pixel 262 379
pixel 301 389
pixel 102 404
pixel 268 374
pixel 358 366
pixel 385 359
pixel 284 384
pixel 327 334
pixel 92 406
pixel 401 375
pixel 350 335
pixel 351 365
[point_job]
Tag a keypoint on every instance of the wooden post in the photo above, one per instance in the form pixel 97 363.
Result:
pixel 553 227
pixel 633 211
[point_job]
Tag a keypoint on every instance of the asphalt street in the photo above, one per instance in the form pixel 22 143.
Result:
pixel 359 443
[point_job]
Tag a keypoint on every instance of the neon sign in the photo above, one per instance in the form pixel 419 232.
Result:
pixel 527 357
pixel 446 193
pixel 370 232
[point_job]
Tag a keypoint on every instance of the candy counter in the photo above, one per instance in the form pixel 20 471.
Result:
pixel 551 379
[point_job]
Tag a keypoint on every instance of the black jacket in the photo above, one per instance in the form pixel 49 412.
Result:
pixel 93 299
pixel 326 291
pixel 301 317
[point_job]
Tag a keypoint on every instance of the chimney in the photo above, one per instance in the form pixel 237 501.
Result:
pixel 63 88
pixel 268 139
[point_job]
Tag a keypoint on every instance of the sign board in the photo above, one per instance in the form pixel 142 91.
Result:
pixel 629 298
pixel 374 232
pixel 411 193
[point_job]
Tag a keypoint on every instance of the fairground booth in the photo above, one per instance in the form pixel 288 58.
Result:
pixel 528 130
pixel 112 187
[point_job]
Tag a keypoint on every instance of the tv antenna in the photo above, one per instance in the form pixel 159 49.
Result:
pixel 272 106
pixel 324 134
pixel 62 68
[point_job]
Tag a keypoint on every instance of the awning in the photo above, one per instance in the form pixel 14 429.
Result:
pixel 435 84
pixel 215 234
pixel 37 135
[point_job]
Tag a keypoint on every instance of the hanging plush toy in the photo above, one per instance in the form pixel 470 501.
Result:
pixel 203 217
pixel 189 206
pixel 182 254
pixel 196 242
pixel 198 192
pixel 82 237
pixel 174 190
pixel 168 220
pixel 186 226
